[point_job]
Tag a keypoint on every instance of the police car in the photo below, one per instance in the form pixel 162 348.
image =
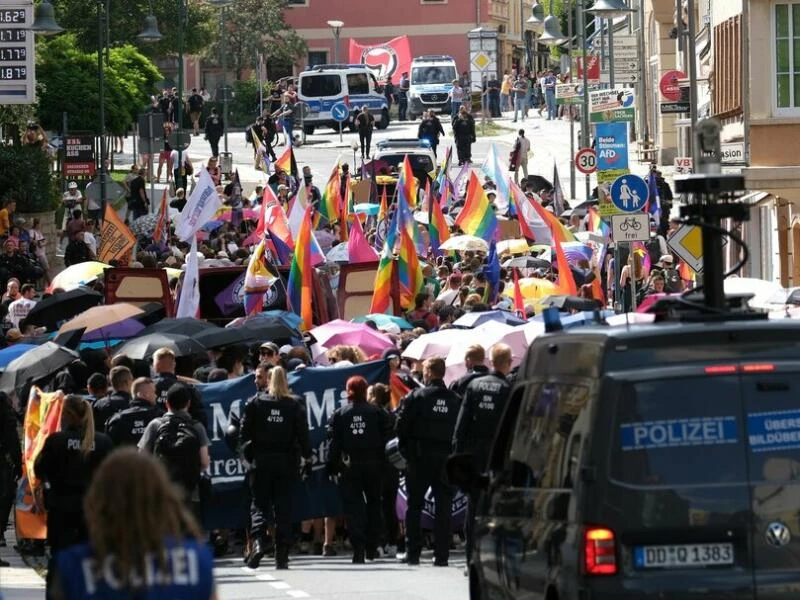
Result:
pixel 323 86
pixel 431 84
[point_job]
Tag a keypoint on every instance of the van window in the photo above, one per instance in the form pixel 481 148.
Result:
pixel 429 75
pixel 315 86
pixel 546 441
pixel 680 431
pixel 358 83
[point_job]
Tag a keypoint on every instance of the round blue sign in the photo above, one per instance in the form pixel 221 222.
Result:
pixel 340 112
pixel 629 193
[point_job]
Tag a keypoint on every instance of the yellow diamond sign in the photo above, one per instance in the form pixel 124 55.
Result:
pixel 687 244
pixel 481 60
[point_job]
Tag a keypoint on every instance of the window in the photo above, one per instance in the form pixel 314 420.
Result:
pixel 726 98
pixel 787 56
pixel 317 57
pixel 358 83
pixel 316 86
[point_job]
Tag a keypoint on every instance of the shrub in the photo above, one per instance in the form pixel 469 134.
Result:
pixel 26 173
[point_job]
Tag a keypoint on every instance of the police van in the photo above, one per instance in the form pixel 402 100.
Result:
pixel 322 86
pixel 648 461
pixel 431 84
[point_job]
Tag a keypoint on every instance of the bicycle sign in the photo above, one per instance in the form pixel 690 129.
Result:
pixel 631 227
pixel 586 161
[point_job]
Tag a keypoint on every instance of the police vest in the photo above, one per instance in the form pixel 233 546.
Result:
pixel 359 429
pixel 163 383
pixel 438 414
pixel 187 574
pixel 127 427
pixel 487 397
pixel 275 423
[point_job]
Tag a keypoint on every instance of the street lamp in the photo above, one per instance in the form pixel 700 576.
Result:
pixel 552 32
pixel 610 10
pixel 44 22
pixel 336 26
pixel 536 20
pixel 222 4
pixel 151 32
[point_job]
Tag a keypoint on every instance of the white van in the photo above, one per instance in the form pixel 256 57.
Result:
pixel 323 86
pixel 431 84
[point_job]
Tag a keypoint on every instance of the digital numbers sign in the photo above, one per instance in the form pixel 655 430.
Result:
pixel 17 71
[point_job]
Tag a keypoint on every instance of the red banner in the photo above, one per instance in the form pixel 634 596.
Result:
pixel 593 73
pixel 390 59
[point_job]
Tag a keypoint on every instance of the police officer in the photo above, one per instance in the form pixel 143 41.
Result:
pixel 274 437
pixel 474 359
pixel 118 399
pixel 165 378
pixel 359 432
pixel 480 413
pixel 425 425
pixel 127 426
pixel 10 463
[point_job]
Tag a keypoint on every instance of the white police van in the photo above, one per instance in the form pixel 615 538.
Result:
pixel 431 84
pixel 322 86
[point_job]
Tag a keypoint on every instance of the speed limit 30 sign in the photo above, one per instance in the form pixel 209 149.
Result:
pixel 586 161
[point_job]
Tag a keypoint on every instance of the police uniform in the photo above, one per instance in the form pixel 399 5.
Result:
pixel 107 406
pixel 359 432
pixel 425 425
pixel 188 574
pixel 459 386
pixel 484 402
pixel 163 381
pixel 127 426
pixel 274 435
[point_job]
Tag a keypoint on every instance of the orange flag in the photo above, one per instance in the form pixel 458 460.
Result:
pixel 161 233
pixel 519 303
pixel 566 282
pixel 116 239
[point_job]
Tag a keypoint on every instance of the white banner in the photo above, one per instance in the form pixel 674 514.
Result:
pixel 203 203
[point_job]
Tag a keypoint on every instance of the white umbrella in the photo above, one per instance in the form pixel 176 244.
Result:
pixel 532 330
pixel 436 344
pixel 487 335
pixel 465 242
pixel 338 253
pixel 422 217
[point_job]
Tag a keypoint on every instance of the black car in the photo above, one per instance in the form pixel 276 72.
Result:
pixel 658 461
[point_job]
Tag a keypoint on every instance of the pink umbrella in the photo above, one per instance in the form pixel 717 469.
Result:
pixel 487 335
pixel 346 333
pixel 437 344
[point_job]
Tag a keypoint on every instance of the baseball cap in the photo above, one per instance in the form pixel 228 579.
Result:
pixel 272 346
pixel 73 185
pixel 667 258
pixel 285 349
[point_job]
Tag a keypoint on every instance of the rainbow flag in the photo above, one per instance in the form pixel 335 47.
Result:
pixel 287 163
pixel 161 232
pixel 640 249
pixel 382 296
pixel 597 224
pixel 299 288
pixel 441 177
pixel 521 210
pixel 407 183
pixel 438 231
pixel 258 278
pixel 566 281
pixel 477 217
pixel 409 271
pixel 346 211
pixel 329 204
pixel 687 275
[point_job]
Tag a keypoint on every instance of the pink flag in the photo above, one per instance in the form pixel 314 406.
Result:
pixel 358 248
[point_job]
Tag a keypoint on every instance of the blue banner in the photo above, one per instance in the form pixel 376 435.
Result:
pixel 323 391
pixel 774 431
pixel 611 146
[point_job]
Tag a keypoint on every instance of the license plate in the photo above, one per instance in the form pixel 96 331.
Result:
pixel 682 556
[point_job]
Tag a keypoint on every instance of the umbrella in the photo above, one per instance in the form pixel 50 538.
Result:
pixel 472 320
pixel 532 329
pixel 145 225
pixel 267 329
pixel 69 339
pixel 537 183
pixel 338 253
pixel 436 344
pixel 517 246
pixel 422 217
pixel 77 275
pixel 541 248
pixel 183 326
pixel 291 320
pixel 527 262
pixel 581 318
pixel 339 332
pixel 532 288
pixel 576 251
pixel 35 364
pixel 51 311
pixel 121 330
pixel 222 336
pixel 565 303
pixel 487 335
pixel 376 164
pixel 465 242
pixel 101 317
pixel 382 320
pixel 143 347
pixel 14 351
pixel 367 208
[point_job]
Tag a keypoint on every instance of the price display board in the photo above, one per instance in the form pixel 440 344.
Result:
pixel 17 74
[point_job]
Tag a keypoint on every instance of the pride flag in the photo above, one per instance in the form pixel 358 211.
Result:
pixel 566 281
pixel 519 303
pixel 409 271
pixel 477 217
pixel 258 278
pixel 520 206
pixel 407 183
pixel 438 231
pixel 382 296
pixel 299 288
pixel 287 163
pixel 494 169
pixel 557 228
pixel 329 205
pixel 161 232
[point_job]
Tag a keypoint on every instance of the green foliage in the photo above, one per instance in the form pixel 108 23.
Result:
pixel 26 174
pixel 13 118
pixel 67 81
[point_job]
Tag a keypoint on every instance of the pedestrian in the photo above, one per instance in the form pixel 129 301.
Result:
pixel 213 131
pixel 365 123
pixel 430 129
pixel 284 114
pixel 119 398
pixel 274 439
pixel 493 94
pixel 456 100
pixel 464 134
pixel 359 432
pixel 425 426
pixel 484 400
pixel 66 464
pixel 549 85
pixel 10 464
pixel 195 105
pixel 138 202
pixel 126 427
pixel 505 92
pixel 522 149
pixel 403 88
pixel 520 91
pixel 142 542
pixel 389 92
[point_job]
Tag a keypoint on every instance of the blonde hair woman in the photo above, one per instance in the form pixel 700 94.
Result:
pixel 142 538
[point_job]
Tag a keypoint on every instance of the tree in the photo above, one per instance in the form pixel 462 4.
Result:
pixel 257 27
pixel 67 81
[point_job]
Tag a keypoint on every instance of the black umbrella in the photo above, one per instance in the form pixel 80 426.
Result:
pixel 527 262
pixel 537 183
pixel 263 329
pixel 35 364
pixel 56 309
pixel 70 339
pixel 570 303
pixel 143 347
pixel 218 337
pixel 182 326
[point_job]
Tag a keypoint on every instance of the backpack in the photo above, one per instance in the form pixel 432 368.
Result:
pixel 177 446
pixel 653 250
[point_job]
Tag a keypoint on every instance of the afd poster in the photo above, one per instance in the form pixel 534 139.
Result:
pixel 611 146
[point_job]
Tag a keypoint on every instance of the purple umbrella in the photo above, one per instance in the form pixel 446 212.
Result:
pixel 127 328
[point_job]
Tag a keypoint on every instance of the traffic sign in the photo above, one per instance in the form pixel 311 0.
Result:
pixel 629 193
pixel 687 243
pixel 630 228
pixel 586 161
pixel 179 140
pixel 114 191
pixel 340 112
pixel 668 85
pixel 481 60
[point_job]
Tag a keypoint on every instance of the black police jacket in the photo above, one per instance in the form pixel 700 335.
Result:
pixel 10 445
pixel 127 426
pixel 66 471
pixel 426 421
pixel 480 414
pixel 360 430
pixel 459 386
pixel 107 406
pixel 272 426
pixel 197 409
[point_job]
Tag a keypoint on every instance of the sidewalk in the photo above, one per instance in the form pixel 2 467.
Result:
pixel 19 581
